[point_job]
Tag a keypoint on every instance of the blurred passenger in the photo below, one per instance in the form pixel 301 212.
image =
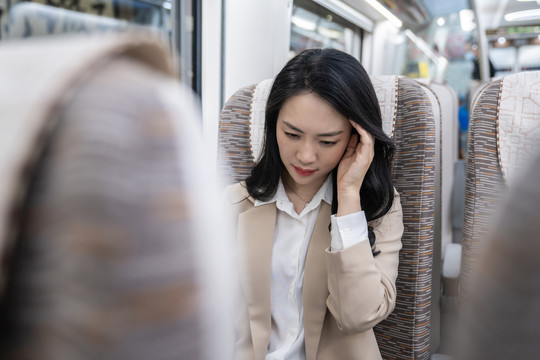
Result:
pixel 463 118
pixel 474 55
pixel 503 321
pixel 105 203
pixel 318 221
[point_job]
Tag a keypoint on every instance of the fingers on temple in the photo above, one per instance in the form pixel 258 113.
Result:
pixel 365 137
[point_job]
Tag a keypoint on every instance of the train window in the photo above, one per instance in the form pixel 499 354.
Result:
pixel 504 60
pixel 176 21
pixel 514 49
pixel 313 25
pixel 445 50
pixel 21 18
pixel 187 40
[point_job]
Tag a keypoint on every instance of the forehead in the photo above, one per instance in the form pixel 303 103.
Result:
pixel 308 111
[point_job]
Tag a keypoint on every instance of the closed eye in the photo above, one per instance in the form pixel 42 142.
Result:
pixel 328 143
pixel 291 135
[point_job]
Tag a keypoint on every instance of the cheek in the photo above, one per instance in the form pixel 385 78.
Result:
pixel 282 146
pixel 335 155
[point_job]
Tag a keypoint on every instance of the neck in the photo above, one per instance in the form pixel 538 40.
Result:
pixel 290 190
pixel 303 193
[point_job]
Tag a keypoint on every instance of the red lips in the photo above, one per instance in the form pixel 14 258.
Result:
pixel 303 172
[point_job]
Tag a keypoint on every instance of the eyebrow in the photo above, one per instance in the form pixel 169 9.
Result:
pixel 332 133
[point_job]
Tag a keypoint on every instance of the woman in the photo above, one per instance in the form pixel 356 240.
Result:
pixel 315 275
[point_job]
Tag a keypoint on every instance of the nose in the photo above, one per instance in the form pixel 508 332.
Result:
pixel 306 153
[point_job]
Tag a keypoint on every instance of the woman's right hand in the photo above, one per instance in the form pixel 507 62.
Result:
pixel 353 168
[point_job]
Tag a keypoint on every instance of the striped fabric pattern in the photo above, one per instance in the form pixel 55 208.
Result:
pixel 235 158
pixel 106 264
pixel 501 321
pixel 405 334
pixel 503 135
pixel 484 183
pixel 34 71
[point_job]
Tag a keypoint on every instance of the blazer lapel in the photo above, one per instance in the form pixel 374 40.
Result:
pixel 315 290
pixel 256 238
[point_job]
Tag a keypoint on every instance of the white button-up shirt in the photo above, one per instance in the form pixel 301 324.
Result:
pixel 291 240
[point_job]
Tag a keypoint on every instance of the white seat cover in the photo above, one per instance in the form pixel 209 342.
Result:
pixel 519 122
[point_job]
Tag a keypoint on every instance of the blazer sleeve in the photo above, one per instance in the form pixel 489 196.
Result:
pixel 235 200
pixel 362 288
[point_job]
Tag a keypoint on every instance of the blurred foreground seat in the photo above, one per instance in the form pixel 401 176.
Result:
pixel 501 320
pixel 504 133
pixel 104 207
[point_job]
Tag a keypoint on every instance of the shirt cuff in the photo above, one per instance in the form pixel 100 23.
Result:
pixel 348 230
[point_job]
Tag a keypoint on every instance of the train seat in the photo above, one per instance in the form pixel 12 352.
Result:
pixel 438 115
pixel 104 253
pixel 448 184
pixel 504 132
pixel 447 99
pixel 501 322
pixel 408 118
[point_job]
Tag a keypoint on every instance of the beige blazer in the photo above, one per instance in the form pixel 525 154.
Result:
pixel 345 294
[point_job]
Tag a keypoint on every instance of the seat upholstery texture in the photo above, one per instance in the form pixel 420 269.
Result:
pixel 408 119
pixel 501 321
pixel 106 260
pixel 504 133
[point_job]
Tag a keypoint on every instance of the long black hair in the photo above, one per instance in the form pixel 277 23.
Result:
pixel 341 81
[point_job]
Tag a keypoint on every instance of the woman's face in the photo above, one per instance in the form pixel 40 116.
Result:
pixel 312 137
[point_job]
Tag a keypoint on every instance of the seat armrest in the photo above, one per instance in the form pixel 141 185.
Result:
pixel 451 269
pixel 452 261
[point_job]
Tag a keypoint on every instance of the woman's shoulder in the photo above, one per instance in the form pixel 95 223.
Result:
pixel 397 200
pixel 236 193
pixel 394 211
pixel 396 204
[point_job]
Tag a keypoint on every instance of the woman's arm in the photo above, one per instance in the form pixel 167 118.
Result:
pixel 362 287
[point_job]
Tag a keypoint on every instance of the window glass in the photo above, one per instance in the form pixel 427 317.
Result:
pixel 514 49
pixel 315 26
pixel 446 50
pixel 22 19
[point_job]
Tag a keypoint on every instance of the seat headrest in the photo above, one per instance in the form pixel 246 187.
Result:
pixel 386 89
pixel 518 122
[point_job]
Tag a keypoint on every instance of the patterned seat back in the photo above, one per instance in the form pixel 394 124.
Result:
pixel 506 283
pixel 448 100
pixel 409 119
pixel 442 110
pixel 504 132
pixel 104 253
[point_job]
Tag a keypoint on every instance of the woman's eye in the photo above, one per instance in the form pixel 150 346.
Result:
pixel 291 135
pixel 328 143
